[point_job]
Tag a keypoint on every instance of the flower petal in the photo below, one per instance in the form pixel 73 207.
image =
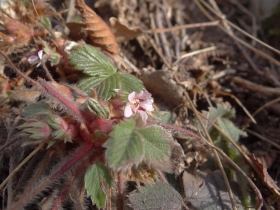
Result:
pixel 32 58
pixel 40 54
pixel 132 96
pixel 147 105
pixel 143 115
pixel 127 111
pixel 144 95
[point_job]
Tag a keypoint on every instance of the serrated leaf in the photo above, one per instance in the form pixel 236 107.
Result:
pixel 129 83
pixel 95 175
pixel 96 108
pixel 128 146
pixel 208 191
pixel 124 148
pixel 159 196
pixel 229 128
pixel 162 116
pixel 92 61
pixel 101 74
pixel 221 116
pixel 37 108
pixel 156 141
pixel 105 86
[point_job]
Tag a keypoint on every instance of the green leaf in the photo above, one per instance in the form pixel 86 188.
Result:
pixel 221 116
pixel 158 196
pixel 46 22
pixel 92 61
pixel 37 108
pixel 229 128
pixel 129 83
pixel 156 141
pixel 101 74
pixel 96 108
pixel 162 116
pixel 128 146
pixel 95 176
pixel 124 148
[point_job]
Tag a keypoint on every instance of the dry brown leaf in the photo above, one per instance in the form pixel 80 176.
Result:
pixel 97 30
pixel 164 87
pixel 123 32
pixel 265 176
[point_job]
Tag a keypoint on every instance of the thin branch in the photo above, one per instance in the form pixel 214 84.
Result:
pixel 263 138
pixel 266 105
pixel 20 165
pixel 174 28
pixel 239 103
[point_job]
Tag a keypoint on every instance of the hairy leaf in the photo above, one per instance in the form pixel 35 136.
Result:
pixel 159 196
pixel 101 74
pixel 129 146
pixel 92 61
pixel 157 146
pixel 124 148
pixel 221 116
pixel 96 108
pixel 37 108
pixel 208 191
pixel 95 175
pixel 162 116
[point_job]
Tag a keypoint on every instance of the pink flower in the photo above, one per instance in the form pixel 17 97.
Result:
pixel 139 103
pixel 36 58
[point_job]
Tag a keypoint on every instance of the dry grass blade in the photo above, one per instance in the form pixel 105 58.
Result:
pixel 240 171
pixel 239 103
pixel 245 156
pixel 20 165
pixel 266 105
pixel 210 142
pixel 263 138
pixel 97 30
pixel 227 29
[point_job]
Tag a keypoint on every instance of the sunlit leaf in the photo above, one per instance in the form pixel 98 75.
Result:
pixel 158 196
pixel 101 74
pixel 92 61
pixel 95 175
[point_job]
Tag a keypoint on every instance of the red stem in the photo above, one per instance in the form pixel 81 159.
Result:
pixel 88 147
pixel 65 101
pixel 187 132
pixel 61 198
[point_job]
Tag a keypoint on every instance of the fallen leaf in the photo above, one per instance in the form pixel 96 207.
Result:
pixel 265 176
pixel 123 32
pixel 159 196
pixel 208 191
pixel 97 30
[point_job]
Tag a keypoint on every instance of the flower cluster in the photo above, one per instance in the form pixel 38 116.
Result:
pixel 139 103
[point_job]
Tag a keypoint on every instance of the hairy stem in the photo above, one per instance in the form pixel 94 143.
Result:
pixel 89 147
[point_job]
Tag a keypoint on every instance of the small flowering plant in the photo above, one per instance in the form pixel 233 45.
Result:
pixel 139 103
pixel 108 126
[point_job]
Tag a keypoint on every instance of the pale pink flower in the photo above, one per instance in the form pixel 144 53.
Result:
pixel 36 58
pixel 139 103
